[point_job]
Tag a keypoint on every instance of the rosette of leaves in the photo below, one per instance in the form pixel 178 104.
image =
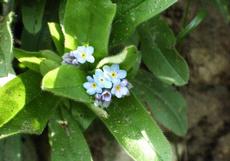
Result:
pixel 122 32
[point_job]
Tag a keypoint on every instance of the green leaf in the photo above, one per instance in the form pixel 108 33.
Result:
pixel 166 104
pixel 10 149
pixel 38 41
pixel 32 14
pixel 132 13
pixel 127 58
pixel 192 25
pixel 48 65
pixel 160 55
pixel 18 93
pixel 6 45
pixel 66 81
pixel 33 59
pixel 136 131
pixel 82 114
pixel 66 139
pixel 57 36
pixel 32 118
pixel 88 21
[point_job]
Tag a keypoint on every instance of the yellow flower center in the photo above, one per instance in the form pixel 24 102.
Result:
pixel 83 55
pixel 118 88
pixel 114 74
pixel 94 85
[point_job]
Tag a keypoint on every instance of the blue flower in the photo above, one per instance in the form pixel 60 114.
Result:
pixel 119 90
pixel 69 58
pixel 126 83
pixel 84 54
pixel 103 99
pixel 101 80
pixel 91 86
pixel 114 73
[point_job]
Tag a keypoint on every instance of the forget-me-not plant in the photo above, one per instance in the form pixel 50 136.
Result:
pixel 81 55
pixel 101 79
pixel 111 80
pixel 114 73
pixel 91 86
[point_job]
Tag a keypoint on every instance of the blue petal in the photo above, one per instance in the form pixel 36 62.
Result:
pixel 90 79
pixel 115 67
pixel 118 94
pixel 124 91
pixel 86 85
pixel 99 72
pixel 90 59
pixel 122 74
pixel 106 69
pixel 98 90
pixel 108 84
pixel 81 49
pixel 91 91
pixel 90 50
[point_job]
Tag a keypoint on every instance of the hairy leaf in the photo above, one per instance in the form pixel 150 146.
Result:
pixel 136 131
pixel 160 55
pixel 66 139
pixel 127 58
pixel 88 21
pixel 32 118
pixel 66 81
pixel 82 114
pixel 33 60
pixel 57 36
pixel 16 94
pixel 32 14
pixel 132 13
pixel 166 104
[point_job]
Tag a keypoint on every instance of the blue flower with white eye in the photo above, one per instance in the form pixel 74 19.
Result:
pixel 101 80
pixel 84 54
pixel 91 86
pixel 69 58
pixel 114 73
pixel 119 90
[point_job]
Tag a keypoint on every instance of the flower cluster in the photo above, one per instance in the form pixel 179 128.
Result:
pixel 79 56
pixel 106 83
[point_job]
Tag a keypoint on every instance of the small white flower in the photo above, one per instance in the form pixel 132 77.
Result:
pixel 84 54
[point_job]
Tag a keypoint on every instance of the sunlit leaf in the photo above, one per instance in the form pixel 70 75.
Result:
pixel 159 53
pixel 16 94
pixel 136 131
pixel 166 104
pixel 32 118
pixel 88 21
pixel 132 13
pixel 66 81
pixel 66 139
pixel 57 36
